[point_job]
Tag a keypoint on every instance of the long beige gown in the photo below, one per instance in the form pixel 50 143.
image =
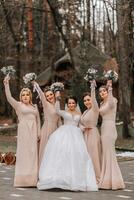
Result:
pixel 51 121
pixel 111 177
pixel 26 168
pixel 92 137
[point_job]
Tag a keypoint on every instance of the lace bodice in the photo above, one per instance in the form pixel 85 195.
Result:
pixel 68 117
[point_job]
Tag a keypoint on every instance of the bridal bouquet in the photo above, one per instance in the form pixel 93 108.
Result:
pixel 8 70
pixel 111 75
pixel 91 74
pixel 57 86
pixel 29 77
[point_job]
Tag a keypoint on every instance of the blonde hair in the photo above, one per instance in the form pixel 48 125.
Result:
pixel 30 94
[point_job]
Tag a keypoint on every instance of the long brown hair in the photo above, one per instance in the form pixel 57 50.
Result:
pixel 86 94
pixel 104 87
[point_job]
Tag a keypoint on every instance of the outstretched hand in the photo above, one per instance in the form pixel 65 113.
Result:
pixel 109 83
pixel 93 82
pixel 33 82
pixel 6 79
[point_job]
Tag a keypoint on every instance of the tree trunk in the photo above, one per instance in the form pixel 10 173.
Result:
pixel 16 41
pixel 94 29
pixel 88 20
pixel 30 25
pixel 17 46
pixel 30 35
pixel 58 20
pixel 111 31
pixel 124 84
pixel 42 33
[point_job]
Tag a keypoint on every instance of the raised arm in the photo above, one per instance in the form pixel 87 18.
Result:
pixel 93 96
pixel 9 97
pixel 111 100
pixel 57 107
pixel 40 93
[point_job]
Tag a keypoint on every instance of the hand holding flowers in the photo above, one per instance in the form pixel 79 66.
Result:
pixel 109 83
pixel 111 75
pixel 91 74
pixel 6 79
pixel 8 70
pixel 29 77
pixel 57 86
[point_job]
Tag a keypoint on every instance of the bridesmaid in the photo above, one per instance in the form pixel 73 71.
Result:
pixel 88 124
pixel 26 168
pixel 51 119
pixel 111 177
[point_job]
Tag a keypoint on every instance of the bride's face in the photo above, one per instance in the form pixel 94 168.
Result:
pixel 71 104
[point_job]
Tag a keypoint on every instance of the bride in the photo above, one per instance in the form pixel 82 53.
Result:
pixel 66 163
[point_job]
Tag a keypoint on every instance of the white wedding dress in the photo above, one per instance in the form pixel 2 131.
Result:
pixel 66 163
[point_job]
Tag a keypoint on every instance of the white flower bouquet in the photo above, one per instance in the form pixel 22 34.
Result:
pixel 29 77
pixel 91 74
pixel 57 86
pixel 8 70
pixel 111 75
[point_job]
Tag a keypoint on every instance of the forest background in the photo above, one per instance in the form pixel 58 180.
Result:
pixel 36 35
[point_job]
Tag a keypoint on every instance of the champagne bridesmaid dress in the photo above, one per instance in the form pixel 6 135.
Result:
pixel 92 137
pixel 51 121
pixel 26 168
pixel 111 177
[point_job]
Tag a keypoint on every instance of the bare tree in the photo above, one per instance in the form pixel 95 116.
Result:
pixel 15 39
pixel 88 19
pixel 123 19
pixel 43 22
pixel 58 21
pixel 94 3
pixel 30 25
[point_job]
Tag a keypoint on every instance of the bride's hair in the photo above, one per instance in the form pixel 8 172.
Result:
pixel 75 99
pixel 71 97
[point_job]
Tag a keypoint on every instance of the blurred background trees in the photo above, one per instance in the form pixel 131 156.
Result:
pixel 35 34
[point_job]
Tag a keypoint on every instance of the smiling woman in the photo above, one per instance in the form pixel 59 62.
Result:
pixel 27 140
pixel 51 119
pixel 26 96
pixel 88 125
pixel 111 177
